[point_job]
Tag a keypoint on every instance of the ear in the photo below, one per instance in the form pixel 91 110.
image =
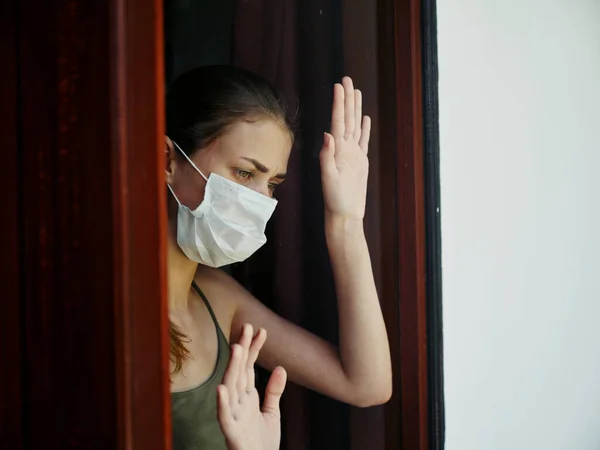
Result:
pixel 169 160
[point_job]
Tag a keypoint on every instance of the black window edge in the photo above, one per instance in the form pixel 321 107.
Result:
pixel 435 353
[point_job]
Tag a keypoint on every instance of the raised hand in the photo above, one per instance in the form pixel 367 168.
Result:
pixel 344 162
pixel 244 424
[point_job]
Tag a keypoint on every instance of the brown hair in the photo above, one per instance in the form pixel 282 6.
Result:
pixel 201 105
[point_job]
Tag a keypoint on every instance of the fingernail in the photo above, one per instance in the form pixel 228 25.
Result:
pixel 326 139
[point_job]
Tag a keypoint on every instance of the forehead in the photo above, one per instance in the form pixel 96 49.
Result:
pixel 265 140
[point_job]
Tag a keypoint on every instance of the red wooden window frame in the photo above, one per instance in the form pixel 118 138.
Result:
pixel 137 92
pixel 84 325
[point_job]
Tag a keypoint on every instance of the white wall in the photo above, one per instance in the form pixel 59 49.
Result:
pixel 520 176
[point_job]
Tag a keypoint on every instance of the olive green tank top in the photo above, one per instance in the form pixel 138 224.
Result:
pixel 194 412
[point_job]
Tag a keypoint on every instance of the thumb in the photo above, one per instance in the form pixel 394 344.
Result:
pixel 274 390
pixel 328 155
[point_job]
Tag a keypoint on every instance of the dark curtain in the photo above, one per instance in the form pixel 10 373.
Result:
pixel 296 44
pixel 197 33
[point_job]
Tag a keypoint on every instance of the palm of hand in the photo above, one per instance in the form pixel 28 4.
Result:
pixel 251 428
pixel 244 424
pixel 344 161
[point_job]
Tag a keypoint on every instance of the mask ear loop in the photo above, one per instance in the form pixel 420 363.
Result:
pixel 189 160
pixel 193 165
pixel 174 196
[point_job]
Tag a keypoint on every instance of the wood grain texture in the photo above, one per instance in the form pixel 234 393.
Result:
pixel 67 226
pixel 411 224
pixel 91 193
pixel 388 182
pixel 139 196
pixel 10 308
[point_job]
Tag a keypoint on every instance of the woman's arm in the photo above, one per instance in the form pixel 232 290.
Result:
pixel 359 372
pixel 312 361
pixel 364 348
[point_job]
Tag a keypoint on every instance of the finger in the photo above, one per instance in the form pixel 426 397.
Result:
pixel 245 341
pixel 348 107
pixel 338 124
pixel 224 414
pixel 257 343
pixel 357 114
pixel 255 347
pixel 275 388
pixel 230 378
pixel 366 134
pixel 327 156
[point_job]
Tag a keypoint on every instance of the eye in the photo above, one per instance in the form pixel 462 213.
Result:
pixel 243 174
pixel 272 187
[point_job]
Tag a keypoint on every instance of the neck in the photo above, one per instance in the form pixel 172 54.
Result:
pixel 180 274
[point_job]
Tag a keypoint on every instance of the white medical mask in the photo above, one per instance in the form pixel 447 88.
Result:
pixel 228 226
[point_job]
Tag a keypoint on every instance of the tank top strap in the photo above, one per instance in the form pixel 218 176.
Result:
pixel 210 310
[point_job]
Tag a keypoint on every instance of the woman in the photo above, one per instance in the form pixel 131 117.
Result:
pixel 227 148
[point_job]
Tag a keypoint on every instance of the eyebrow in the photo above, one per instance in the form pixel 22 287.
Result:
pixel 262 168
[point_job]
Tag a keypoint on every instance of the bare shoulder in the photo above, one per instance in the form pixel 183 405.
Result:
pixel 223 293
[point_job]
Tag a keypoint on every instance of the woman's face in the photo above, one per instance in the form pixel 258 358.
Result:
pixel 253 154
